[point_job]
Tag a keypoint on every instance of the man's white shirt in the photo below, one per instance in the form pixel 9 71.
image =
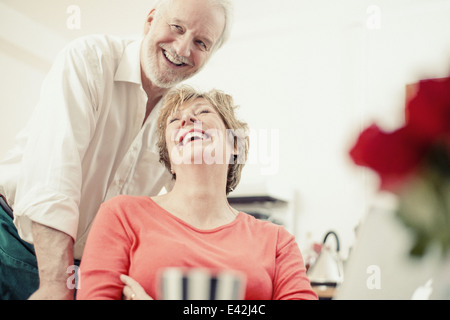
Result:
pixel 86 141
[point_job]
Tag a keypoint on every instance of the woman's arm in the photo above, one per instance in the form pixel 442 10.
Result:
pixel 106 256
pixel 290 281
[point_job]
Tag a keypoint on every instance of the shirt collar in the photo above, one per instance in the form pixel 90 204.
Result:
pixel 129 69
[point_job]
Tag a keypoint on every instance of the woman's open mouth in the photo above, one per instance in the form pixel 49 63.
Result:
pixel 193 135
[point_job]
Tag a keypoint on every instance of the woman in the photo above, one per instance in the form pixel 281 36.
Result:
pixel 133 239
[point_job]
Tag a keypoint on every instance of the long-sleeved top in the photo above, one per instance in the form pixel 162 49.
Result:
pixel 86 141
pixel 137 237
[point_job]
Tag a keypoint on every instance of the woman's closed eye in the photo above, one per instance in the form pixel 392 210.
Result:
pixel 204 111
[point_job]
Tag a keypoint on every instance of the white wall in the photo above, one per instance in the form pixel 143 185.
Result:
pixel 319 72
pixel 27 50
pixel 315 72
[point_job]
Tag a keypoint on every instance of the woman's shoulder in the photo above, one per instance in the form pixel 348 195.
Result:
pixel 122 202
pixel 260 224
pixel 267 227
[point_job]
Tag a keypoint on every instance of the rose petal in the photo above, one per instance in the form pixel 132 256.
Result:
pixel 394 155
pixel 428 113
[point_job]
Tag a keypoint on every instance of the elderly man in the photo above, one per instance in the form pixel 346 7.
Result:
pixel 92 137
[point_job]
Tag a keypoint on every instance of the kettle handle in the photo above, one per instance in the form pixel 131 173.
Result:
pixel 336 237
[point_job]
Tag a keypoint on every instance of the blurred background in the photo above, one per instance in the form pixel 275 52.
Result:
pixel 308 75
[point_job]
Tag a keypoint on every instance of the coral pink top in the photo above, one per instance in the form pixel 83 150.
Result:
pixel 135 236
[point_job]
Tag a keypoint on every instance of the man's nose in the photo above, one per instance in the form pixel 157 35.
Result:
pixel 183 46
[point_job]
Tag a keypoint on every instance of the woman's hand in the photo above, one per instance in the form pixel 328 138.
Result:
pixel 133 290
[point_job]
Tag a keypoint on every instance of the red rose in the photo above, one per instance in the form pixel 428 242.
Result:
pixel 394 155
pixel 398 154
pixel 428 113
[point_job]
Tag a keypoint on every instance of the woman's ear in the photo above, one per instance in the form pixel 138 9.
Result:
pixel 234 158
pixel 149 20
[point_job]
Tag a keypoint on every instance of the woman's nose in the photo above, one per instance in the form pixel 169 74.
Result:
pixel 188 118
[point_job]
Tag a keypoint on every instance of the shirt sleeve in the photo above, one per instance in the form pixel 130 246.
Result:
pixel 290 281
pixel 60 129
pixel 106 255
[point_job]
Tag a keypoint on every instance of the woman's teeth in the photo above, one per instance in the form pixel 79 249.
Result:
pixel 191 136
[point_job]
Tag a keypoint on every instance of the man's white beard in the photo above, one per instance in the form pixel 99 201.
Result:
pixel 160 80
pixel 164 81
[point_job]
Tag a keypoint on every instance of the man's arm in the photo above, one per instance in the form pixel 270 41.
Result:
pixel 50 182
pixel 54 252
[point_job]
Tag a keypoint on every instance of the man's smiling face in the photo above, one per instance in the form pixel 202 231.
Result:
pixel 179 40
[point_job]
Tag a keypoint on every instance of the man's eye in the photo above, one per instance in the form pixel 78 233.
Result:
pixel 177 28
pixel 202 45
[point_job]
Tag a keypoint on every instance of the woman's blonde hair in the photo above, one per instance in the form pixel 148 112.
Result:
pixel 224 105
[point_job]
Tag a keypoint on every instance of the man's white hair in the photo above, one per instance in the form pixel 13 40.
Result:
pixel 227 7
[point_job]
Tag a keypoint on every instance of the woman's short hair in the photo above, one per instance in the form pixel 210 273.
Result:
pixel 224 104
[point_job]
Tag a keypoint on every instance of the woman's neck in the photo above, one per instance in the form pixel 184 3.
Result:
pixel 198 198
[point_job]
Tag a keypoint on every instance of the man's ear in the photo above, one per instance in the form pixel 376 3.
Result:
pixel 149 20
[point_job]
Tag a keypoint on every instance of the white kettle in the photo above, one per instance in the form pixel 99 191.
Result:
pixel 328 270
